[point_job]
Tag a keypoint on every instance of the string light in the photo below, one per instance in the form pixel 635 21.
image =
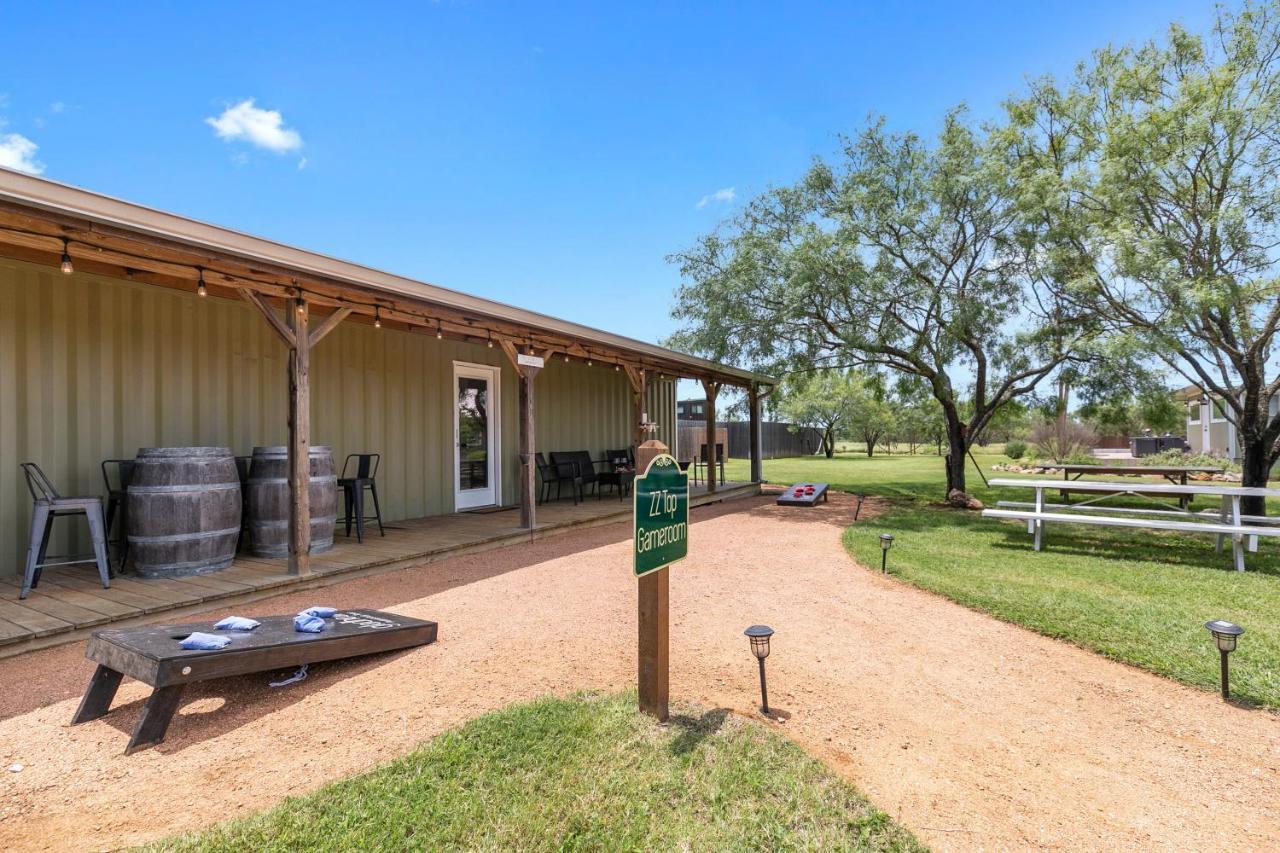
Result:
pixel 67 268
pixel 617 367
pixel 201 290
pixel 566 358
pixel 302 303
pixel 490 337
pixel 439 331
pixel 377 317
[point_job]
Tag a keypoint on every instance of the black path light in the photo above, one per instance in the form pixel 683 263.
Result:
pixel 886 542
pixel 1225 634
pixel 759 636
pixel 857 509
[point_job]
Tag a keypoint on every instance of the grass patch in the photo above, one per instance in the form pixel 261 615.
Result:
pixel 1141 597
pixel 583 774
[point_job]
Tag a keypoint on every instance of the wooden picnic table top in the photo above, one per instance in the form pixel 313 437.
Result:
pixel 1139 469
pixel 1146 488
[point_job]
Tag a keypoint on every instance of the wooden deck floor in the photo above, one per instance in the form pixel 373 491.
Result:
pixel 70 602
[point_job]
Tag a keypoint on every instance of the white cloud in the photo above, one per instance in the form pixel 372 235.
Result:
pixel 302 164
pixel 18 152
pixel 722 195
pixel 263 128
pixel 57 107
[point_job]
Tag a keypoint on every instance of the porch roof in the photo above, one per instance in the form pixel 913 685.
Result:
pixel 40 218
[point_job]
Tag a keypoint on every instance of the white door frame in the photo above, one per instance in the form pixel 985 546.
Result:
pixel 492 495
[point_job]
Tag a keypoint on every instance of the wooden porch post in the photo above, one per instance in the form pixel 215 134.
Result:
pixel 757 452
pixel 300 441
pixel 528 444
pixel 639 389
pixel 296 332
pixel 712 389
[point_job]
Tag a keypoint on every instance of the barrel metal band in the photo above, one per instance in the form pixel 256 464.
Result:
pixel 185 537
pixel 165 490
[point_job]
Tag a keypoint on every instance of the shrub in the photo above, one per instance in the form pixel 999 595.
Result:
pixel 1073 440
pixel 1015 449
pixel 1179 457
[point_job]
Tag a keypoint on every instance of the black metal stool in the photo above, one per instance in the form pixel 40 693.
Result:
pixel 48 505
pixel 353 492
pixel 117 502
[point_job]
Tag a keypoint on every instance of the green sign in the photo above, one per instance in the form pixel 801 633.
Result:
pixel 662 515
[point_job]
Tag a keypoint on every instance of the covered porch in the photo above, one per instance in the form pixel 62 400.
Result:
pixel 124 328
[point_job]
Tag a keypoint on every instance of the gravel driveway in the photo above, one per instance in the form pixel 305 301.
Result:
pixel 973 733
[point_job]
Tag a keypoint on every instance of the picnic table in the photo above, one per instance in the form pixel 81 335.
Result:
pixel 1244 530
pixel 1176 474
pixel 152 655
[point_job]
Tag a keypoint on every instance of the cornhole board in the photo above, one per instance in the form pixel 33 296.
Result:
pixel 799 495
pixel 151 654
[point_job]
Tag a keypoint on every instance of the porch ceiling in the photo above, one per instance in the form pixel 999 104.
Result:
pixel 39 219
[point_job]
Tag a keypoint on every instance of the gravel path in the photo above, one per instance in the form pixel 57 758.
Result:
pixel 974 733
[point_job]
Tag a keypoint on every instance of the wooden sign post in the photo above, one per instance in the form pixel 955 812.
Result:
pixel 661 515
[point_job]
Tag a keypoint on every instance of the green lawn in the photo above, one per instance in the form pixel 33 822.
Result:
pixel 1138 597
pixel 583 774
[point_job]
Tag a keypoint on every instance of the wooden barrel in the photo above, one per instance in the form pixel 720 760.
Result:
pixel 184 511
pixel 268 501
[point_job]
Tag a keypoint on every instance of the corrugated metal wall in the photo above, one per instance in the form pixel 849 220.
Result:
pixel 93 368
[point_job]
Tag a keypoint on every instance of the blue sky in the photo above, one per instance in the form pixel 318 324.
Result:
pixel 545 155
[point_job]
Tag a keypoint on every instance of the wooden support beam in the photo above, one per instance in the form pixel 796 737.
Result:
pixel 639 388
pixel 299 441
pixel 257 301
pixel 328 325
pixel 712 390
pixel 757 452
pixel 528 439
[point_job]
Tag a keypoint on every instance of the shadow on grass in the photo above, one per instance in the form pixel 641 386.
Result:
pixel 694 730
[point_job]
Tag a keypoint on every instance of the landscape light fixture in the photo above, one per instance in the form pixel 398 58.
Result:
pixel 759 636
pixel 66 267
pixel 886 542
pixel 377 317
pixel 201 290
pixel 1225 635
pixel 857 509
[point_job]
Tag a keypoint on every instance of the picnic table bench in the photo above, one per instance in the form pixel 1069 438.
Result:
pixel 152 655
pixel 1227 521
pixel 1176 474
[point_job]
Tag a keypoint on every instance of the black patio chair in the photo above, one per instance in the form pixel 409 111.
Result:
pixel 619 471
pixel 117 503
pixel 702 459
pixel 49 505
pixel 556 474
pixel 353 488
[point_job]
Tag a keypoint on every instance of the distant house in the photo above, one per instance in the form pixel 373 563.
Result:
pixel 1208 430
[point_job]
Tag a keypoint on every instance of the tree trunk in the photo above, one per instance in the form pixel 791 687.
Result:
pixel 829 443
pixel 1255 468
pixel 956 448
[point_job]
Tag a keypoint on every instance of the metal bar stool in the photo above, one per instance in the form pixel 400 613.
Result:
pixel 117 502
pixel 47 506
pixel 353 492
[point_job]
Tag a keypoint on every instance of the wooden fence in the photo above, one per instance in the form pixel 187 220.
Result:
pixel 776 439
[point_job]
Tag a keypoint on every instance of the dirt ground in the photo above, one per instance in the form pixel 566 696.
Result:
pixel 975 734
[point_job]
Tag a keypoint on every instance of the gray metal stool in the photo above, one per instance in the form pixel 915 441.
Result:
pixel 48 506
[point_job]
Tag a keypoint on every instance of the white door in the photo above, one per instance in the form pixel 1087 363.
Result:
pixel 476 433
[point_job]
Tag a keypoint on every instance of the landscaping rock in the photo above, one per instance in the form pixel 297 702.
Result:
pixel 961 500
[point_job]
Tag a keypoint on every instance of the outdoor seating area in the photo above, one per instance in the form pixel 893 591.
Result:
pixel 586 475
pixel 1227 521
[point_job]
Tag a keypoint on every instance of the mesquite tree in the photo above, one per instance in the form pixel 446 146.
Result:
pixel 1160 166
pixel 905 256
